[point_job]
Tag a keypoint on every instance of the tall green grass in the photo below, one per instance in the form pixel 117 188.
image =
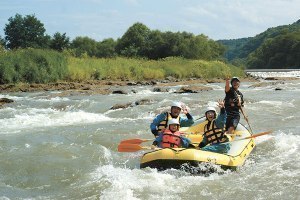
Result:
pixel 32 66
pixel 44 66
pixel 138 69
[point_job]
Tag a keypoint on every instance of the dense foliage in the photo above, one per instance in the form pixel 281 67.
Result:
pixel 28 54
pixel 137 42
pixel 141 69
pixel 274 48
pixel 24 32
pixel 43 66
pixel 282 51
pixel 32 66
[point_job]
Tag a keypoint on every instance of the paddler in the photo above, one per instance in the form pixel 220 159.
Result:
pixel 234 102
pixel 160 122
pixel 214 131
pixel 171 137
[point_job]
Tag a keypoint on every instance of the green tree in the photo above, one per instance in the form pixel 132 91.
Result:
pixel 106 48
pixel 24 32
pixel 282 51
pixel 60 41
pixel 2 44
pixel 154 45
pixel 134 41
pixel 84 45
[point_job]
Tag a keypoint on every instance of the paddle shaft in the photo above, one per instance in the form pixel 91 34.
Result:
pixel 246 118
pixel 242 111
pixel 249 137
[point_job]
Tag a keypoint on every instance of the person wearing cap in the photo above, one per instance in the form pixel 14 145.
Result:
pixel 171 137
pixel 214 131
pixel 234 101
pixel 160 122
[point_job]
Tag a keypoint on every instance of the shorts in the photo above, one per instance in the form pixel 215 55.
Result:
pixel 232 121
pixel 218 148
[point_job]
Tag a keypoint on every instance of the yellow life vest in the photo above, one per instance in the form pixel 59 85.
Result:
pixel 214 134
pixel 163 124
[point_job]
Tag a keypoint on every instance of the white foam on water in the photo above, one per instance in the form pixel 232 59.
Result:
pixel 295 73
pixel 34 118
pixel 123 183
pixel 263 139
pixel 272 103
pixel 287 143
pixel 53 99
pixel 217 87
pixel 145 92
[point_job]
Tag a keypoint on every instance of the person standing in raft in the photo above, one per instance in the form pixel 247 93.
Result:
pixel 234 102
pixel 171 137
pixel 160 122
pixel 214 131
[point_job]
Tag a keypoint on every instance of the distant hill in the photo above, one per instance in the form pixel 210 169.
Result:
pixel 246 49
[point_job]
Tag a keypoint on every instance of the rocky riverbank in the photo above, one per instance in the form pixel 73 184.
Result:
pixel 105 87
pixel 96 86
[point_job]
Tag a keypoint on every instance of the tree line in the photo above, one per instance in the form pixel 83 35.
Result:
pixel 277 47
pixel 274 48
pixel 137 42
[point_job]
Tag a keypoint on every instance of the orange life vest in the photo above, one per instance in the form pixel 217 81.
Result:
pixel 171 140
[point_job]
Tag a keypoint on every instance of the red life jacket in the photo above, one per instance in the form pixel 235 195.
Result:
pixel 171 140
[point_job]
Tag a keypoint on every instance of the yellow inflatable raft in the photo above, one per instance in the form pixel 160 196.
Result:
pixel 175 157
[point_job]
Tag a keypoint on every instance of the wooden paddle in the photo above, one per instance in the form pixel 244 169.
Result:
pixel 246 119
pixel 139 141
pixel 126 147
pixel 252 136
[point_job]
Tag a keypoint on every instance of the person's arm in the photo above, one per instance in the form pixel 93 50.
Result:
pixel 157 141
pixel 221 119
pixel 188 121
pixel 156 122
pixel 227 85
pixel 242 99
pixel 203 143
pixel 185 142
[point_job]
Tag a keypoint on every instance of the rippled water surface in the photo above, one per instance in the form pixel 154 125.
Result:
pixel 66 147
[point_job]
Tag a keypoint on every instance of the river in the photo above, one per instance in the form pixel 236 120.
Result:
pixel 54 147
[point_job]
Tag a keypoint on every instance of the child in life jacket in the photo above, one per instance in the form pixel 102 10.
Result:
pixel 214 137
pixel 171 137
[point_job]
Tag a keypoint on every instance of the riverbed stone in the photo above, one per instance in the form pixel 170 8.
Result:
pixel 193 89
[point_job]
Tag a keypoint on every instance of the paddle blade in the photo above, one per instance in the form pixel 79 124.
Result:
pixel 129 147
pixel 135 141
pixel 260 134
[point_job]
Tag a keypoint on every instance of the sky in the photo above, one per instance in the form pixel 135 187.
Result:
pixel 102 19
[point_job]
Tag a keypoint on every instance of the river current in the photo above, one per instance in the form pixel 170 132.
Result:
pixel 54 147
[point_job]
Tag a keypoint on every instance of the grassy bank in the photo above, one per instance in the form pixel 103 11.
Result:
pixel 32 66
pixel 44 66
pixel 136 69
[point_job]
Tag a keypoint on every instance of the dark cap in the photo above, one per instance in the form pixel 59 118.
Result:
pixel 235 79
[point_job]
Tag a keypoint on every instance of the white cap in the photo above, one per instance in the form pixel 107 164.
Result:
pixel 176 104
pixel 173 121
